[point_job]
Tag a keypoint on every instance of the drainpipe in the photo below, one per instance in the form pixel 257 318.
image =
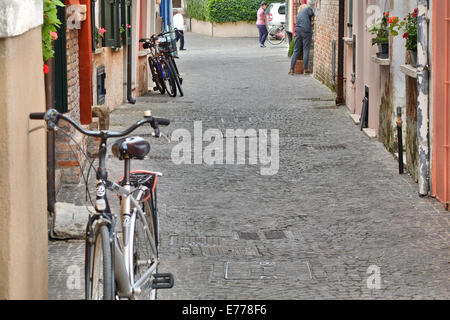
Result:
pixel 129 89
pixel 340 76
pixel 129 65
pixel 51 145
pixel 423 98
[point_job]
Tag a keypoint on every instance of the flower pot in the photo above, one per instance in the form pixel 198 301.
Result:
pixel 383 50
pixel 299 67
pixel 413 58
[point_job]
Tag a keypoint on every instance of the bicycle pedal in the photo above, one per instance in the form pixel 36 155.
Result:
pixel 162 281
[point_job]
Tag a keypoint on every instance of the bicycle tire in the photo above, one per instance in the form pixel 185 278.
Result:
pixel 276 41
pixel 156 76
pixel 178 79
pixel 142 249
pixel 99 272
pixel 168 77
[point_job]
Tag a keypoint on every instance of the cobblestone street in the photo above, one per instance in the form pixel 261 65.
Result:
pixel 336 206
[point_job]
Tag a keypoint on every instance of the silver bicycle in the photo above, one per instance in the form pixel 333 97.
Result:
pixel 277 35
pixel 122 265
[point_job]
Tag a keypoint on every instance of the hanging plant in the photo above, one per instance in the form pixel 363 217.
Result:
pixel 49 29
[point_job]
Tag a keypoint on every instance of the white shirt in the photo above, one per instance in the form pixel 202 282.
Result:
pixel 178 21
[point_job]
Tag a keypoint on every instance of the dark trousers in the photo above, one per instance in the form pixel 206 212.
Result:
pixel 262 33
pixel 302 41
pixel 180 36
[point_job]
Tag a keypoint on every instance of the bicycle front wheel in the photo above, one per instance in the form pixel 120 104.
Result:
pixel 168 77
pixel 178 79
pixel 276 35
pixel 145 248
pixel 99 276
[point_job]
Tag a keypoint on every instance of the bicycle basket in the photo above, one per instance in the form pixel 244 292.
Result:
pixel 166 44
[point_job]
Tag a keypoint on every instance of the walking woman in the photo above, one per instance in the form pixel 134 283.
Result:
pixel 303 37
pixel 261 24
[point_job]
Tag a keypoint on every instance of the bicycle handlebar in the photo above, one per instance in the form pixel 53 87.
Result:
pixel 52 116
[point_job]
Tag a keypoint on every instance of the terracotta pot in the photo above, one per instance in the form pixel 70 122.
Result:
pixel 299 67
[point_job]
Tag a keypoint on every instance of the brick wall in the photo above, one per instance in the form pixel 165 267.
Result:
pixel 67 152
pixel 326 30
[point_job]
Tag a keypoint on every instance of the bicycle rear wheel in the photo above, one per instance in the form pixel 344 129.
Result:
pixel 156 76
pixel 145 254
pixel 276 35
pixel 99 274
pixel 168 77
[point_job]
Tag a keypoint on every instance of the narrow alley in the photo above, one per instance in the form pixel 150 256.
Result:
pixel 335 211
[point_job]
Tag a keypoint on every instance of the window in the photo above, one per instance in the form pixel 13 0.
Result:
pixel 125 21
pixel 96 24
pixel 282 10
pixel 350 19
pixel 110 18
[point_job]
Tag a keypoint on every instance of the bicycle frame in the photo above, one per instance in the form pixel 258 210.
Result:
pixel 122 250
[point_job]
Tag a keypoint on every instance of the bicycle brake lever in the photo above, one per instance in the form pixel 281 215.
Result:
pixel 165 137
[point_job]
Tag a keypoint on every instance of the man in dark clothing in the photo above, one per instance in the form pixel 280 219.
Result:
pixel 303 37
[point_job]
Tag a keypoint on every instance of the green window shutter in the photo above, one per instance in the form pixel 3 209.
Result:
pixel 126 20
pixel 110 21
pixel 61 101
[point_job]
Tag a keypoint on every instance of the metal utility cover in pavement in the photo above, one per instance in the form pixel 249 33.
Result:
pixel 236 251
pixel 267 270
pixel 248 235
pixel 274 235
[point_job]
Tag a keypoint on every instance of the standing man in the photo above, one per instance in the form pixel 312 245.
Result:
pixel 178 22
pixel 261 24
pixel 303 37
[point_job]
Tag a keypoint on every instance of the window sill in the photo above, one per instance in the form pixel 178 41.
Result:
pixel 409 70
pixel 99 50
pixel 381 62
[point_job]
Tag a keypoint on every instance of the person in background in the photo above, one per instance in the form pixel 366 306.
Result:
pixel 178 22
pixel 303 37
pixel 261 24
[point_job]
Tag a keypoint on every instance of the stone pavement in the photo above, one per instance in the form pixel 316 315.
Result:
pixel 336 211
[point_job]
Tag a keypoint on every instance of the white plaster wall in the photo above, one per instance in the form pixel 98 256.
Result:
pixel 19 16
pixel 400 9
pixel 229 29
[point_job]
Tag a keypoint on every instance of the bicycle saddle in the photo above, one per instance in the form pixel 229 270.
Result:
pixel 131 148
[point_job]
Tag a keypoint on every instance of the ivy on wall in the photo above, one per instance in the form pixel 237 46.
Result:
pixel 221 11
pixel 49 27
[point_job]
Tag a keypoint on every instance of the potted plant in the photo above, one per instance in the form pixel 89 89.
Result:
pixel 381 32
pixel 409 29
pixel 299 63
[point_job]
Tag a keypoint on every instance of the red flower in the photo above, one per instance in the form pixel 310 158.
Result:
pixel 387 14
pixel 392 19
pixel 46 69
pixel 405 35
pixel 54 35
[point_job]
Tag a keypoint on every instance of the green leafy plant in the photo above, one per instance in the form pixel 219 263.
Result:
pixel 291 50
pixel 221 11
pixel 408 27
pixel 380 30
pixel 49 27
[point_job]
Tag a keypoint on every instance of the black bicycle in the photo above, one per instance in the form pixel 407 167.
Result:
pixel 162 63
pixel 121 265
